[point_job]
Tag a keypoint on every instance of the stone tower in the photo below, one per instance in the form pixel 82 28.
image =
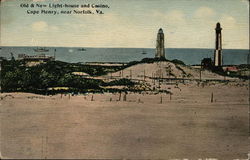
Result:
pixel 160 49
pixel 218 46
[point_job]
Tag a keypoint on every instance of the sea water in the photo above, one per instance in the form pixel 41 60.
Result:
pixel 189 56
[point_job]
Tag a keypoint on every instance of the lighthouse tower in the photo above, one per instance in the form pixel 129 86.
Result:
pixel 218 46
pixel 160 49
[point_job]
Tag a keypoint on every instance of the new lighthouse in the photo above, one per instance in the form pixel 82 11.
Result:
pixel 160 49
pixel 218 46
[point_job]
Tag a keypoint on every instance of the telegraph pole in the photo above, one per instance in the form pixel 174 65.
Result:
pixel 130 74
pixel 144 75
pixel 200 71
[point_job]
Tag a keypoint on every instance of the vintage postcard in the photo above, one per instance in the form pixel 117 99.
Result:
pixel 124 79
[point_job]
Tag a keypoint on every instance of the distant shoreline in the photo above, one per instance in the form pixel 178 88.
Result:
pixel 121 47
pixel 125 55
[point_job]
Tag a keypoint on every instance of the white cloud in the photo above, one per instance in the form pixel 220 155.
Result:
pixel 228 21
pixel 39 26
pixel 54 28
pixel 110 30
pixel 176 16
pixel 42 26
pixel 204 12
pixel 235 34
pixel 173 17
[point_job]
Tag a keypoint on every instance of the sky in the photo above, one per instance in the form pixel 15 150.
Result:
pixel 128 24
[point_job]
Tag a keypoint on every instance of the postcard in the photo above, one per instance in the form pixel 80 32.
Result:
pixel 124 79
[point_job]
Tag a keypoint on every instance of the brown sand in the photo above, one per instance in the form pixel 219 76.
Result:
pixel 144 126
pixel 163 69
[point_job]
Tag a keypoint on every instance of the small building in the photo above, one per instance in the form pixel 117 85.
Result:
pixel 207 63
pixel 39 57
pixel 230 69
pixel 35 59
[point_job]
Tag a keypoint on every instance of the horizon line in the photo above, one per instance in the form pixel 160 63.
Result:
pixel 122 47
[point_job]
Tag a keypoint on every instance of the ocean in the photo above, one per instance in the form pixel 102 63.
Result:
pixel 189 56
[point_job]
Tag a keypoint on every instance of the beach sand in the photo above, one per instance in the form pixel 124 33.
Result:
pixel 145 126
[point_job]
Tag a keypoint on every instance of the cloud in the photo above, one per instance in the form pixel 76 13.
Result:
pixel 39 26
pixel 42 26
pixel 235 34
pixel 176 16
pixel 228 21
pixel 111 30
pixel 54 28
pixel 173 17
pixel 204 12
pixel 202 26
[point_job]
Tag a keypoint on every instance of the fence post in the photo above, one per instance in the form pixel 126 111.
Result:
pixel 125 97
pixel 212 97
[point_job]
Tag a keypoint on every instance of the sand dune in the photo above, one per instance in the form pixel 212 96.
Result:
pixel 165 70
